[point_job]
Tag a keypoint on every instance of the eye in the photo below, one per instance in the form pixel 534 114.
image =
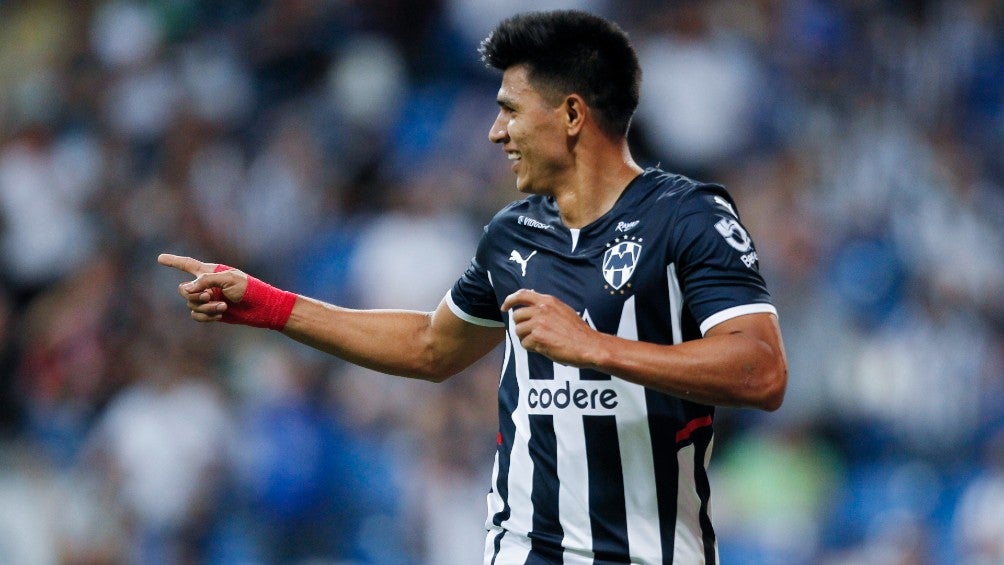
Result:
pixel 506 107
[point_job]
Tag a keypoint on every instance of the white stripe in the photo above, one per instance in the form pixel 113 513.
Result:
pixel 573 472
pixel 707 463
pixel 490 543
pixel 520 465
pixel 734 312
pixel 513 550
pixel 688 546
pixel 467 317
pixel 495 503
pixel 675 302
pixel 640 499
pixel 575 237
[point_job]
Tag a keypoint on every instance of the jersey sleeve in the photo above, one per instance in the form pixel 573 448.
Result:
pixel 716 261
pixel 472 297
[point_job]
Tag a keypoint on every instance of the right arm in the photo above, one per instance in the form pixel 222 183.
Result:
pixel 426 345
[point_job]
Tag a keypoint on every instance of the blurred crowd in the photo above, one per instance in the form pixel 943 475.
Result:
pixel 338 148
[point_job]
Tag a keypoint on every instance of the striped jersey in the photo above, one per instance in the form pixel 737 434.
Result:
pixel 590 468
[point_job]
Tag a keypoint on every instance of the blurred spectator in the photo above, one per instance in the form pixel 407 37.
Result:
pixel 699 92
pixel 776 488
pixel 66 371
pixel 315 489
pixel 979 520
pixel 163 447
pixel 46 181
pixel 458 437
pixel 400 256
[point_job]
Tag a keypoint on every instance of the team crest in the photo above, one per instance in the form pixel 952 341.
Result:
pixel 619 262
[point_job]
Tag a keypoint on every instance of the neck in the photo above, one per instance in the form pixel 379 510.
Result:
pixel 595 183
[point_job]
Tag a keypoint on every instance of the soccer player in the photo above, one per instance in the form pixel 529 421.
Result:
pixel 629 301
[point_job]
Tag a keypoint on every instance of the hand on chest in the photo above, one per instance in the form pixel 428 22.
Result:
pixel 597 276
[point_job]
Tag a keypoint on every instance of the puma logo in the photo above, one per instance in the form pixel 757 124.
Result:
pixel 515 256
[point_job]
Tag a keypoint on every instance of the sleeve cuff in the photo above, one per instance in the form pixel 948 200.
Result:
pixel 736 311
pixel 467 317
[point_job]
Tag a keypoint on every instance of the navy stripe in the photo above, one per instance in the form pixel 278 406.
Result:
pixel 498 546
pixel 592 375
pixel 544 556
pixel 607 510
pixel 702 439
pixel 540 367
pixel 547 532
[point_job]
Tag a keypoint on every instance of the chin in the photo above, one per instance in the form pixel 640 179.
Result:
pixel 525 187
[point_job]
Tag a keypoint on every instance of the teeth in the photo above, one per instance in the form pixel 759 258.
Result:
pixel 513 156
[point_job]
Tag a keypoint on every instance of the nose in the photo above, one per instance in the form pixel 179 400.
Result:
pixel 498 132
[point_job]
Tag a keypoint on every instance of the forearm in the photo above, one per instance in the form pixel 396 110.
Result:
pixel 389 341
pixel 729 369
pixel 424 345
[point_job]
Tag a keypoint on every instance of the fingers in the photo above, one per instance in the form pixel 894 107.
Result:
pixel 207 281
pixel 186 264
pixel 204 317
pixel 522 297
pixel 207 301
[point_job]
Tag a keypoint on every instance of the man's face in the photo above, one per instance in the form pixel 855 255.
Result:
pixel 532 133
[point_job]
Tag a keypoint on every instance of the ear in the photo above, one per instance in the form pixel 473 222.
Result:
pixel 575 113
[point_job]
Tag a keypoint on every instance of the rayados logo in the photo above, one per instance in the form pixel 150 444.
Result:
pixel 620 260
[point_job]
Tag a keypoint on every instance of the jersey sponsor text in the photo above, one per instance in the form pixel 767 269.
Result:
pixel 588 397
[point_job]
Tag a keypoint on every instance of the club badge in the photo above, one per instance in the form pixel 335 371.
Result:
pixel 620 260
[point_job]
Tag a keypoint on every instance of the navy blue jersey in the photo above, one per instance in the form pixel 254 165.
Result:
pixel 591 468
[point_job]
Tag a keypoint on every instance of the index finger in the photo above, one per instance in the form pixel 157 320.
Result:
pixel 187 264
pixel 522 297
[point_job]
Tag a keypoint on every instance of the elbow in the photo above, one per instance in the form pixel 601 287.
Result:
pixel 436 374
pixel 431 365
pixel 431 369
pixel 771 387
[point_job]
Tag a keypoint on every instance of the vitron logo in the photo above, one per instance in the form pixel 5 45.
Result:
pixel 550 397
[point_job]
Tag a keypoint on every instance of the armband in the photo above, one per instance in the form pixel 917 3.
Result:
pixel 262 306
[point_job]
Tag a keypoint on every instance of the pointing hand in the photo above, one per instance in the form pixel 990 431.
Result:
pixel 214 286
pixel 223 294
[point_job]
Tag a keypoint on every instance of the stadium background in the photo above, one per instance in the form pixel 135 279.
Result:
pixel 339 148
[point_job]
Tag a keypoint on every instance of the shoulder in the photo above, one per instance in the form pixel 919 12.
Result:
pixel 686 195
pixel 681 190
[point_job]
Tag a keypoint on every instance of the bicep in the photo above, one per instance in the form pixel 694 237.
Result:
pixel 760 327
pixel 459 343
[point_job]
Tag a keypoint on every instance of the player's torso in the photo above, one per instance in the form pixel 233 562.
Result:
pixel 578 442
pixel 616 274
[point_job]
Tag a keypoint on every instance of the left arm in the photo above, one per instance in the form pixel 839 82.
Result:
pixel 739 362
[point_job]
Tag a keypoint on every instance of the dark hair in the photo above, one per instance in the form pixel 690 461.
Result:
pixel 568 51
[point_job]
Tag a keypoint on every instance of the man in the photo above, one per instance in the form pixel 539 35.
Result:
pixel 629 300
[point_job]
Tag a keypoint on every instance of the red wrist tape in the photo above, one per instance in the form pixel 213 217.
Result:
pixel 262 306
